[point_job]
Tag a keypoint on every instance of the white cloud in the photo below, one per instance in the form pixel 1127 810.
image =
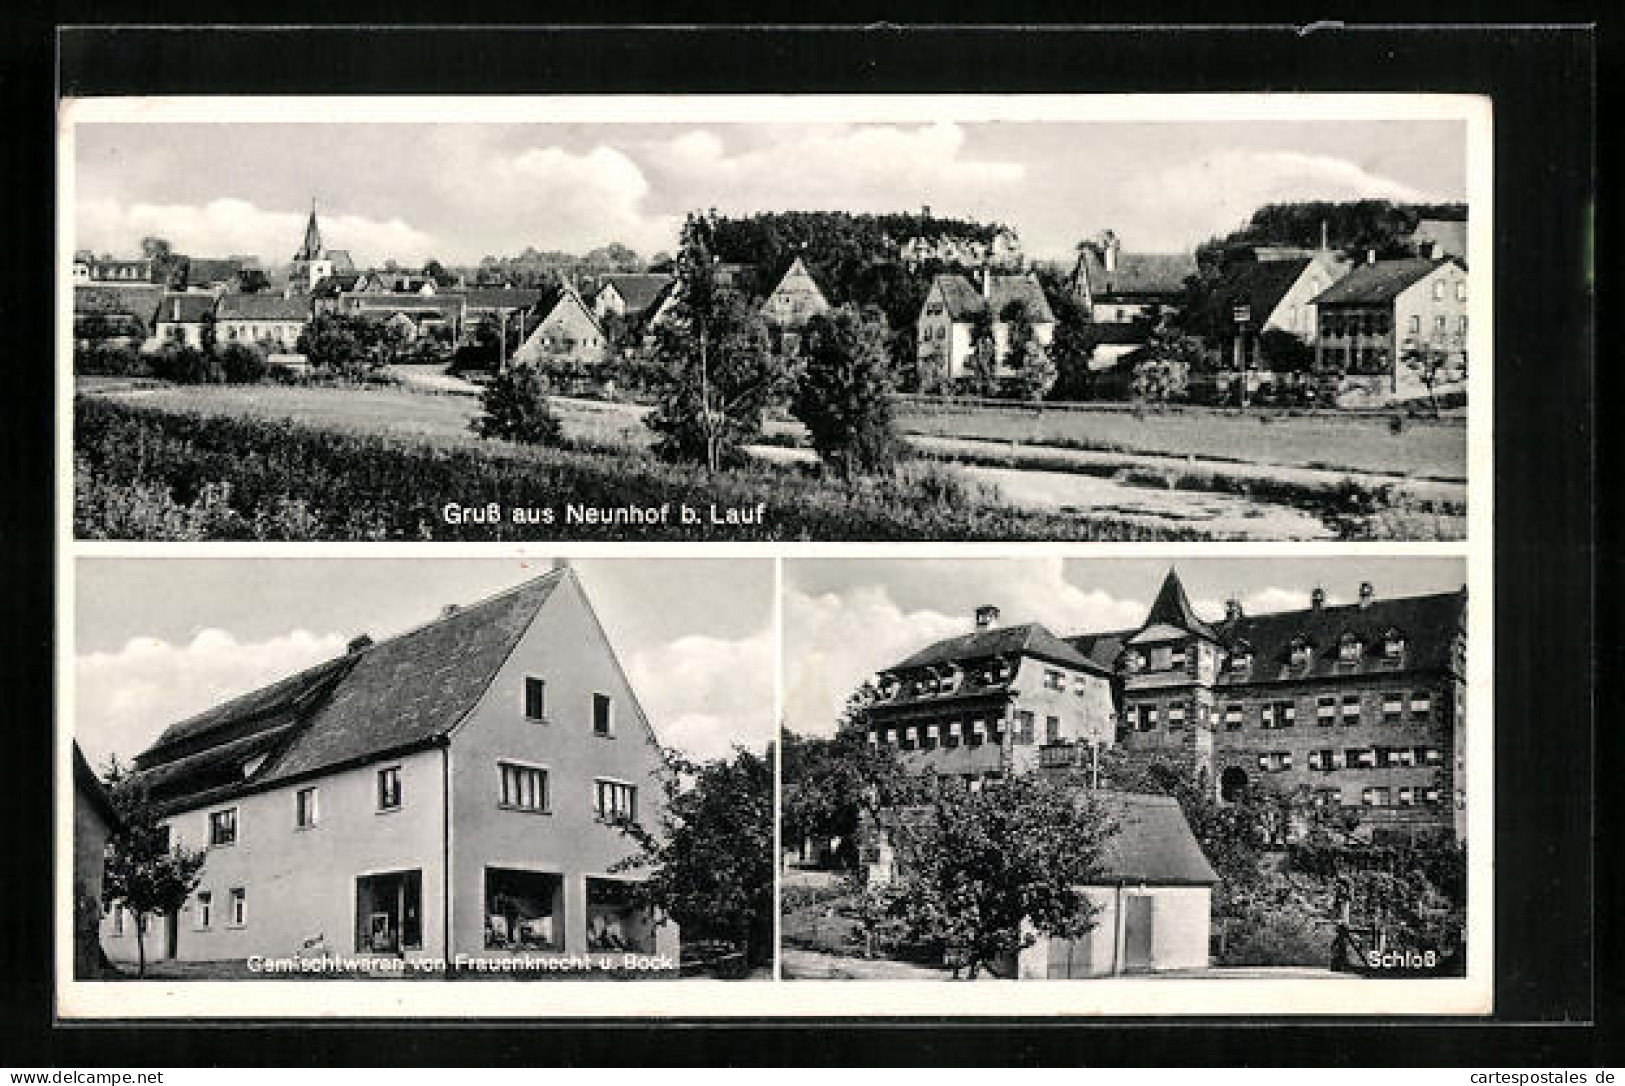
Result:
pixel 226 226
pixel 1216 193
pixel 705 694
pixel 845 167
pixel 125 699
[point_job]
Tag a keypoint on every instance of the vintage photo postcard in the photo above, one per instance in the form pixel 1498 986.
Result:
pixel 1231 770
pixel 325 770
pixel 998 318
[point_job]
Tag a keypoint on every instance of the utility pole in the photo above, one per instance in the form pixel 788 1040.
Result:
pixel 1242 315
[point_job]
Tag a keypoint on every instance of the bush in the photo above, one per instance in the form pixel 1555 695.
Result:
pixel 187 366
pixel 517 409
pixel 243 364
pixel 110 360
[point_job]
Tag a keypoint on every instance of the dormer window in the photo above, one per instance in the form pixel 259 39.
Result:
pixel 1241 657
pixel 1393 645
pixel 1134 661
pixel 1348 649
pixel 1303 653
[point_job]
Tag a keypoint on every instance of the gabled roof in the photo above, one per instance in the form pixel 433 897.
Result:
pixel 1259 285
pixel 638 290
pixel 1428 624
pixel 963 301
pixel 447 305
pixel 1383 281
pixel 135 299
pixel 1138 273
pixel 184 308
pixel 1029 639
pixel 1172 611
pixel 264 306
pixel 89 787
pixel 399 694
pixel 332 285
pixel 1153 843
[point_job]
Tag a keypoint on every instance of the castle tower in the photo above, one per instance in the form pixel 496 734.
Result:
pixel 1169 667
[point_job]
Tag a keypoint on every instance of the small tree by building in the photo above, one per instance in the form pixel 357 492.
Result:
pixel 710 860
pixel 1035 371
pixel 343 345
pixel 843 394
pixel 983 363
pixel 983 873
pixel 243 364
pixel 715 362
pixel 1163 367
pixel 1432 369
pixel 515 407
pixel 145 873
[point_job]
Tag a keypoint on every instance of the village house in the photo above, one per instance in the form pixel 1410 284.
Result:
pixel 564 328
pixel 94 823
pixel 440 315
pixel 106 269
pixel 796 300
pixel 1115 287
pixel 271 322
pixel 1360 707
pixel 313 263
pixel 629 296
pixel 456 789
pixel 180 320
pixel 1256 297
pixel 1370 323
pixel 951 308
pixel 216 275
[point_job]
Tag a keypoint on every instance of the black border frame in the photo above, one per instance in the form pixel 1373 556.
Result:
pixel 1543 81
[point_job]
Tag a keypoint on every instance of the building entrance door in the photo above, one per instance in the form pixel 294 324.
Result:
pixel 388 912
pixel 1139 911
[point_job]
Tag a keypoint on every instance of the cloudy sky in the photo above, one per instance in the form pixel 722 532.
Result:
pixel 460 191
pixel 902 606
pixel 158 640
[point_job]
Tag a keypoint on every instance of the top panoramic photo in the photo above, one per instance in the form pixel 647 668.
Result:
pixel 1131 318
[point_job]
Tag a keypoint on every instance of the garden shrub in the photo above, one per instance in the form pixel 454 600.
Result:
pixel 516 408
pixel 243 364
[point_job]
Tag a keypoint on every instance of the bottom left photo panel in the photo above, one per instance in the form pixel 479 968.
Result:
pixel 421 768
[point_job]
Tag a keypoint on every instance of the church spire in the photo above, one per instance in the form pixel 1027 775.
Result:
pixel 1173 608
pixel 312 249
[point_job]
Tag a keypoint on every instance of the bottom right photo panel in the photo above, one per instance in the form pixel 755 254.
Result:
pixel 1056 768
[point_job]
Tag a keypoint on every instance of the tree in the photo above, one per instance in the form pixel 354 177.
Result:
pixel 1034 370
pixel 144 873
pixel 1286 352
pixel 982 873
pixel 843 395
pixel 252 281
pixel 710 860
pixel 1164 365
pixel 243 364
pixel 515 407
pixel 343 345
pixel 1431 367
pixel 984 354
pixel 718 371
pixel 167 266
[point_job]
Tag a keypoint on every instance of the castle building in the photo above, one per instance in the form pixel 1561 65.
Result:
pixel 456 789
pixel 1359 707
pixel 947 321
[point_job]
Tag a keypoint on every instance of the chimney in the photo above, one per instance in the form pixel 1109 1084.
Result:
pixel 1317 598
pixel 1232 609
pixel 359 643
pixel 987 617
pixel 1324 245
pixel 560 564
pixel 1109 257
pixel 1368 593
pixel 1371 256
pixel 987 282
pixel 449 610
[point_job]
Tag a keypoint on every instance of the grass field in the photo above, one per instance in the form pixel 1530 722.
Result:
pixel 1421 448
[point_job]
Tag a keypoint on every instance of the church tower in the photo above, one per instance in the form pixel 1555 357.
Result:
pixel 312 263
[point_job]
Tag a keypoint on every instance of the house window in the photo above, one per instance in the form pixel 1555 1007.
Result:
pixel 1348 649
pixel 1351 709
pixel 1421 706
pixel 237 902
pixel 1360 758
pixel 535 698
pixel 305 812
pixel 974 736
pixel 929 742
pixel 905 737
pixel 1438 290
pixel 1232 718
pixel 1438 324
pixel 223 827
pixel 1325 711
pixel 1461 296
pixel 1415 324
pixel 1054 680
pixel 1052 729
pixel 524 787
pixel 1280 714
pixel 1301 653
pixel 205 910
pixel 1461 325
pixel 1393 707
pixel 602 722
pixel 1323 760
pixel 1176 717
pixel 1024 727
pixel 615 801
pixel 389 788
pixel 1430 755
pixel 1176 658
pixel 1374 797
pixel 1430 796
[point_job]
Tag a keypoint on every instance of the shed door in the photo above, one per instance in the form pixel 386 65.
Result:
pixel 1070 958
pixel 1138 921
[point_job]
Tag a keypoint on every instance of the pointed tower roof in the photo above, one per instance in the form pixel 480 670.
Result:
pixel 312 248
pixel 1171 613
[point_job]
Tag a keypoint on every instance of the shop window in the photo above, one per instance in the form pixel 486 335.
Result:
pixel 524 910
pixel 615 921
